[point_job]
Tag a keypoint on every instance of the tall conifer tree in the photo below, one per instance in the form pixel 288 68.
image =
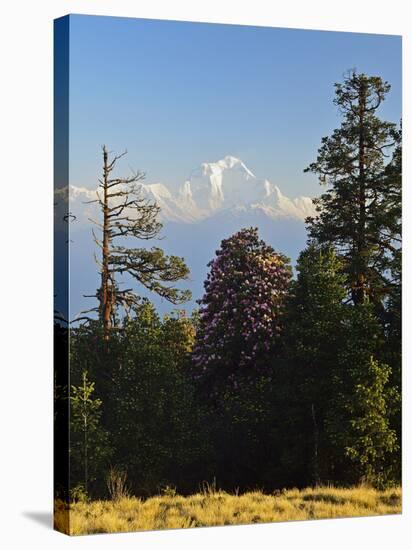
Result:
pixel 352 215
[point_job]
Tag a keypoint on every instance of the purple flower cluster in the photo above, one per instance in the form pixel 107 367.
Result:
pixel 241 310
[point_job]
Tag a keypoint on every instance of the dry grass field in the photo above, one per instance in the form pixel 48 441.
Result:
pixel 219 508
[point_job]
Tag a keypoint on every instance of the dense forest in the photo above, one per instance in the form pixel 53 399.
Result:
pixel 281 378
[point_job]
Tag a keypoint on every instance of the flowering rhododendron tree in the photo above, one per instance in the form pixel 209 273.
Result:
pixel 240 318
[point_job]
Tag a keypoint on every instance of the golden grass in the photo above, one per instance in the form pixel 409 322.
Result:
pixel 220 508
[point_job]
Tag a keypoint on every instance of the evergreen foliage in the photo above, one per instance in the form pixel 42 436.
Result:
pixel 89 444
pixel 358 421
pixel 154 418
pixel 359 212
pixel 314 334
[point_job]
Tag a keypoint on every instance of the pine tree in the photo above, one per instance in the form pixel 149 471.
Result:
pixel 126 213
pixel 89 446
pixel 352 215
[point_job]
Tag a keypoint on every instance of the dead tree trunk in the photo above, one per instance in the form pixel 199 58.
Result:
pixel 125 212
pixel 106 298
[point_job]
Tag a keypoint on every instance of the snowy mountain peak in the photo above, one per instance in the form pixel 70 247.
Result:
pixel 227 163
pixel 228 184
pixel 225 186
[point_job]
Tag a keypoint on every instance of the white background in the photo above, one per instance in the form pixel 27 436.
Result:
pixel 26 271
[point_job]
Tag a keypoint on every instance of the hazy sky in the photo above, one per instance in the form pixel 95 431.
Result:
pixel 177 94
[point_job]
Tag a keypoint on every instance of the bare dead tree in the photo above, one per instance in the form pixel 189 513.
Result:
pixel 125 213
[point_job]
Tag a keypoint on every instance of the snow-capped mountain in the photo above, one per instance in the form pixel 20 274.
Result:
pixel 215 187
pixel 227 184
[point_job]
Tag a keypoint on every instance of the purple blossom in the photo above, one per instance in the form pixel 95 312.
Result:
pixel 242 305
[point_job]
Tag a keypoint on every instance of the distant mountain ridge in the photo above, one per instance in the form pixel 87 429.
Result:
pixel 227 185
pixel 217 200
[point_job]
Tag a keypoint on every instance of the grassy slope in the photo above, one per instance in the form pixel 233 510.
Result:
pixel 220 508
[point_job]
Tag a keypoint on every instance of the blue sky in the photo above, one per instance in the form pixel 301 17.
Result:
pixel 177 94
